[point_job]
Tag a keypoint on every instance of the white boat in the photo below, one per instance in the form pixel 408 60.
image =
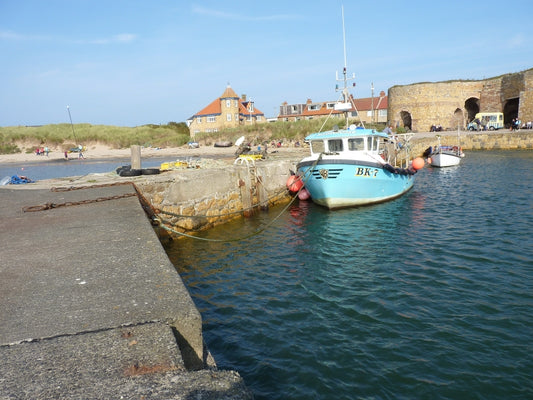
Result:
pixel 356 166
pixel 444 156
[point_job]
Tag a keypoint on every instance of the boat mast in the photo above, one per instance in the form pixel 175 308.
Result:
pixel 347 103
pixel 72 125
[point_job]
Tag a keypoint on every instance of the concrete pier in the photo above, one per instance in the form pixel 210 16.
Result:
pixel 91 306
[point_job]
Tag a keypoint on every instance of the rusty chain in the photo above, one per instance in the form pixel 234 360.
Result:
pixel 49 206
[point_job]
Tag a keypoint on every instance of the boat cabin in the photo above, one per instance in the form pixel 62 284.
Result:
pixel 346 141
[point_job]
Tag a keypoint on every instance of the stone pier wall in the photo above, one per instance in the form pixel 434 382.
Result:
pixel 195 200
pixel 521 140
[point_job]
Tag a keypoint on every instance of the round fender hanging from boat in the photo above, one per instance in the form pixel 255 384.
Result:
pixel 294 183
pixel 418 163
pixel 304 194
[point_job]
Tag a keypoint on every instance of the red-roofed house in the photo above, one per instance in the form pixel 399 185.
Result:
pixel 227 111
pixel 364 110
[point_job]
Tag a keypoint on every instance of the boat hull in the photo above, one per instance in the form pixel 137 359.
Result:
pixel 347 183
pixel 442 160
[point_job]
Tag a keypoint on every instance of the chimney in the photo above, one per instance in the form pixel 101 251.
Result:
pixel 243 97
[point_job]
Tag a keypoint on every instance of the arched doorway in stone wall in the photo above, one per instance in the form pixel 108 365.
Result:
pixel 472 108
pixel 406 119
pixel 510 110
pixel 458 119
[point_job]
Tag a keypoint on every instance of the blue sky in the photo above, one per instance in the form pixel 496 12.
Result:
pixel 129 63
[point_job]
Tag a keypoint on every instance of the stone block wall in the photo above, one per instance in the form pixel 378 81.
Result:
pixel 444 103
pixel 195 200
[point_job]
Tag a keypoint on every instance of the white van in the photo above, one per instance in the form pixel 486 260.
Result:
pixel 484 121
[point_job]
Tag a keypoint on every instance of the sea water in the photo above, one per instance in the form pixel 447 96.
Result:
pixel 50 168
pixel 429 296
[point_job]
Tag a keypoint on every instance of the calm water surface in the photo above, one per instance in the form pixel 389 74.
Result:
pixel 428 296
pixel 59 168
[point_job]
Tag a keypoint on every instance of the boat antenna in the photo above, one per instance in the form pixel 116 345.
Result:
pixel 72 125
pixel 344 39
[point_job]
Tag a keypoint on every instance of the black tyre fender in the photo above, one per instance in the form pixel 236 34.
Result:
pixel 150 171
pixel 130 172
pixel 123 168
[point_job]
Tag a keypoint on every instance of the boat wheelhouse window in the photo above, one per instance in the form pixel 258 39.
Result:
pixel 335 145
pixel 356 144
pixel 317 146
pixel 373 143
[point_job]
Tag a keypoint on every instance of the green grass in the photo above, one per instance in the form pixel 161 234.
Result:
pixel 170 135
pixel 13 138
pixel 279 130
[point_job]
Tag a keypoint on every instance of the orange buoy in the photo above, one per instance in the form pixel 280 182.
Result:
pixel 294 183
pixel 418 163
pixel 291 180
pixel 304 194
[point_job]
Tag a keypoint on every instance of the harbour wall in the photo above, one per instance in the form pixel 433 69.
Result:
pixel 471 141
pixel 189 200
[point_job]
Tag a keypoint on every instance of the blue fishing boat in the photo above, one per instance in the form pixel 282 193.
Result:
pixel 356 166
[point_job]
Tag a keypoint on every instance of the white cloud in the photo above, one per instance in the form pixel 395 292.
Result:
pixel 240 17
pixel 10 35
pixel 119 38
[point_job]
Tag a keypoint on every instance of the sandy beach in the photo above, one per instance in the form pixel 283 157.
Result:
pixel 99 152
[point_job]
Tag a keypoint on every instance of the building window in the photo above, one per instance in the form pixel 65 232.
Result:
pixel 313 107
pixel 258 118
pixel 228 117
pixel 294 109
pixel 199 120
pixel 330 106
pixel 235 104
pixel 228 103
pixel 382 113
pixel 211 119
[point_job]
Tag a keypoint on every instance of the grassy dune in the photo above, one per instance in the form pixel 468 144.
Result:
pixel 16 139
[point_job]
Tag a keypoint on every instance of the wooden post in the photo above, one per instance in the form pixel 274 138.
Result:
pixel 135 156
